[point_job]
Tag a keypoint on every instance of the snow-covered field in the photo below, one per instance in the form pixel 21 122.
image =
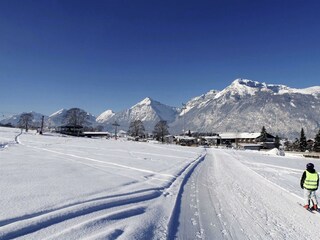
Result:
pixel 55 187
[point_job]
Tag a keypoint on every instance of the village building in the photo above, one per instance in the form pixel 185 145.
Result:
pixel 186 140
pixel 97 134
pixel 169 138
pixel 76 130
pixel 252 141
pixel 210 140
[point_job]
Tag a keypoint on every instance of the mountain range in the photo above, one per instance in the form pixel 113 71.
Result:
pixel 243 106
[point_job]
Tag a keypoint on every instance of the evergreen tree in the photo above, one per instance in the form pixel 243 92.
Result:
pixel 189 133
pixel 264 135
pixel 302 141
pixel 316 146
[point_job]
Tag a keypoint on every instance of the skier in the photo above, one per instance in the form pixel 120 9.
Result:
pixel 310 182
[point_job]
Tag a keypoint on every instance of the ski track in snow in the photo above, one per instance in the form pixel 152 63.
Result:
pixel 104 217
pixel 29 224
pixel 224 199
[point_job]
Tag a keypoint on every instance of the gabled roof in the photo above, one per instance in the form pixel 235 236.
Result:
pixel 235 135
pixel 185 138
pixel 211 137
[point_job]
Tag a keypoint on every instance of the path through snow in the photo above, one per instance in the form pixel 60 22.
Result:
pixel 226 199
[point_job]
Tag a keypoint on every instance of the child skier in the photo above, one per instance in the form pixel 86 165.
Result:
pixel 310 182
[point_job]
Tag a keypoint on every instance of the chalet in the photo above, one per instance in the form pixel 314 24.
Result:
pixel 186 140
pixel 210 140
pixel 76 130
pixel 122 133
pixel 168 138
pixel 247 140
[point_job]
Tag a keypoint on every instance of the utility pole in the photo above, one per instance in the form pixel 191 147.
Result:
pixel 116 125
pixel 184 112
pixel 42 121
pixel 276 124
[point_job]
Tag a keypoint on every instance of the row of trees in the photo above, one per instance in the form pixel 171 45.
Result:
pixel 303 145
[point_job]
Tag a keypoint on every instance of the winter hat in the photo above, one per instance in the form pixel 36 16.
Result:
pixel 310 166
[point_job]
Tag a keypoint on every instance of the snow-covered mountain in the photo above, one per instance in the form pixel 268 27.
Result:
pixel 54 120
pixel 245 105
pixel 248 105
pixel 148 111
pixel 57 118
pixel 105 116
pixel 14 119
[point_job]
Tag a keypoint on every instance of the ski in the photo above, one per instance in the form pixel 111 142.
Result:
pixel 309 209
pixel 318 210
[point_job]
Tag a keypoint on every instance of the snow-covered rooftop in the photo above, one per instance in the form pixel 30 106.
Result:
pixel 235 135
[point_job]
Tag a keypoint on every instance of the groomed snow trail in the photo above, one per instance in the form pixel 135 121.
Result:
pixel 225 199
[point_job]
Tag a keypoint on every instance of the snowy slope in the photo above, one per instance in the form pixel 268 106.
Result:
pixel 76 188
pixel 148 111
pixel 246 106
pixel 198 102
pixel 57 118
pixel 105 116
pixel 37 118
pixel 244 87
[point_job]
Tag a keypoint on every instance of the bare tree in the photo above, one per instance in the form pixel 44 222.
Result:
pixel 76 117
pixel 25 120
pixel 99 128
pixel 161 130
pixel 136 129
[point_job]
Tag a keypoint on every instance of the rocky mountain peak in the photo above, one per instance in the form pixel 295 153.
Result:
pixel 145 102
pixel 105 116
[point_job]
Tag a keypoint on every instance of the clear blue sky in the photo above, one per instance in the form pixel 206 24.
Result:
pixel 100 55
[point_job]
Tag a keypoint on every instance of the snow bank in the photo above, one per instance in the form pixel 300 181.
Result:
pixel 275 152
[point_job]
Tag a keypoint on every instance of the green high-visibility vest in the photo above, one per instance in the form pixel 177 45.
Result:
pixel 311 180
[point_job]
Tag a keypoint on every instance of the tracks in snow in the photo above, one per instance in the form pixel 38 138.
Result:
pixel 103 217
pixel 7 142
pixel 225 199
pixel 24 225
